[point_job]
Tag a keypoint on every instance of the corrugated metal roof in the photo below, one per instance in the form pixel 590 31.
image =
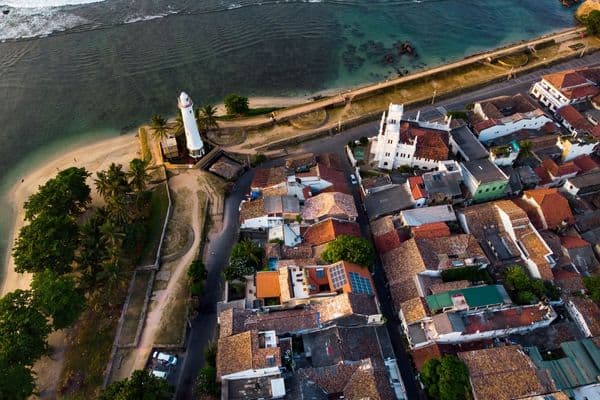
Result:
pixel 477 296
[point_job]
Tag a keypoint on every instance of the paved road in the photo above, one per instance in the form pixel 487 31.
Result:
pixel 204 326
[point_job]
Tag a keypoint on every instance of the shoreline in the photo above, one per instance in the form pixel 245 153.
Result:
pixel 93 155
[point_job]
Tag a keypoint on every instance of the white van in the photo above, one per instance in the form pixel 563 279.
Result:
pixel 159 374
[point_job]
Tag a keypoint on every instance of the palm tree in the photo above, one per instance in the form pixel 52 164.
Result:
pixel 177 127
pixel 159 124
pixel 111 182
pixel 207 117
pixel 112 237
pixel 138 174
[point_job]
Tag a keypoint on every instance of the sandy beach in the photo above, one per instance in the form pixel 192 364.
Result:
pixel 93 157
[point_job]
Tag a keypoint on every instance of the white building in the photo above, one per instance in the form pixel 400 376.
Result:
pixel 194 142
pixel 566 87
pixel 406 142
pixel 504 115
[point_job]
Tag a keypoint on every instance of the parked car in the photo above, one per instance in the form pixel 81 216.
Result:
pixel 159 374
pixel 353 179
pixel 165 358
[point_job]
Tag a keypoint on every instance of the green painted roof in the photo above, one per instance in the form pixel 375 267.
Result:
pixel 476 296
pixel 580 367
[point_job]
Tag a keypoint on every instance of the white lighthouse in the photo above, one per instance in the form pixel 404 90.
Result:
pixel 194 142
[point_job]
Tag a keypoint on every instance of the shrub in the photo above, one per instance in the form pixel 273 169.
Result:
pixel 353 249
pixel 472 274
pixel 258 158
pixel 236 104
pixel 197 289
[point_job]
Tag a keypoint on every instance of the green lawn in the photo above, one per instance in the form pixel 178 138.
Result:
pixel 159 204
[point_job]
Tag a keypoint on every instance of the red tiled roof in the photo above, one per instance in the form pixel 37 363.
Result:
pixel 560 170
pixel 486 123
pixel 550 127
pixel 574 118
pixel 565 79
pixel 586 163
pixel 431 231
pixel 387 242
pixel 337 178
pixel 417 187
pixel 326 231
pixel 543 174
pixel 554 206
pixel 503 319
pixel 431 144
pixel 575 84
pixel 596 131
pixel 568 281
pixel 267 177
pixel 573 242
pixel 422 354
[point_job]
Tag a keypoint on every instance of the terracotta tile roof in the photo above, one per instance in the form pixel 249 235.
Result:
pixel 560 170
pixel 575 83
pixel 423 354
pixel 573 242
pixel 345 305
pixel 337 178
pixel 417 187
pixel 267 284
pixel 401 265
pixel 326 231
pixel 447 286
pixel 590 311
pixel 252 209
pixel 329 205
pixel 299 252
pixel 485 124
pixel 550 127
pixel 414 310
pixel 267 177
pixel 300 161
pixel 503 319
pixel 532 211
pixel 543 174
pixel 242 352
pixel 586 163
pixel 568 281
pixel 283 322
pixel 353 380
pixel 438 253
pixel 382 225
pixel 503 106
pixel 502 373
pixel 575 118
pixel 387 241
pixel 431 144
pixel 431 231
pixel 553 205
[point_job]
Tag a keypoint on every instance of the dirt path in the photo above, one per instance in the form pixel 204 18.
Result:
pixel 186 181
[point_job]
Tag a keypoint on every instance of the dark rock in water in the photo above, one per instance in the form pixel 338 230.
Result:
pixel 388 59
pixel 5 12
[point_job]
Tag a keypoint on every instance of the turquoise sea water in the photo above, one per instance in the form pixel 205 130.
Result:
pixel 110 65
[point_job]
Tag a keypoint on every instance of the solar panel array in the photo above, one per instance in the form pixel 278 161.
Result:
pixel 360 284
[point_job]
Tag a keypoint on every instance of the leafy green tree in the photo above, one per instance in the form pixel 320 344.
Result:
pixel 206 382
pixel 592 22
pixel 207 117
pixel 527 290
pixel 141 386
pixel 47 242
pixel 457 114
pixel 112 182
pixel 138 174
pixel 236 105
pixel 23 329
pixel 526 149
pixel 197 271
pixel 16 381
pixel 210 354
pixel 592 284
pixel 237 269
pixel 248 250
pixel 159 126
pixel 353 249
pixel 446 378
pixel 57 297
pixel 67 193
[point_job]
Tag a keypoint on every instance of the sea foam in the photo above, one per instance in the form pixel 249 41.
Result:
pixel 44 3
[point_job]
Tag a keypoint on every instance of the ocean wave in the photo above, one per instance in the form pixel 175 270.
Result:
pixel 44 3
pixel 27 23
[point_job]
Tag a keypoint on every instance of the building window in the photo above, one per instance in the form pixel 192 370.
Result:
pixel 387 154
